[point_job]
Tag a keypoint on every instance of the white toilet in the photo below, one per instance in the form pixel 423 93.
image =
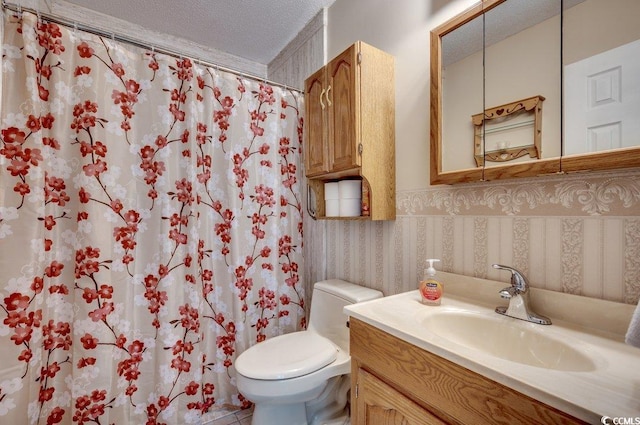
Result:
pixel 302 378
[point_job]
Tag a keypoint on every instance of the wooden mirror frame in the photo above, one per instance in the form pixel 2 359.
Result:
pixel 597 161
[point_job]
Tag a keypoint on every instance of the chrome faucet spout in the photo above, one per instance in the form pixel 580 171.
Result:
pixel 518 296
pixel 508 292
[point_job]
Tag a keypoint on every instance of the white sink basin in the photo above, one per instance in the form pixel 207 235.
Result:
pixel 509 339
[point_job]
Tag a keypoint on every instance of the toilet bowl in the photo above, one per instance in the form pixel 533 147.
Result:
pixel 302 378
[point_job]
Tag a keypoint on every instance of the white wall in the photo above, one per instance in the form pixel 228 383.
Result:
pixel 402 29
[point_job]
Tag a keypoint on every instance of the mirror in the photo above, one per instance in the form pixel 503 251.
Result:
pixel 462 76
pixel 450 114
pixel 526 48
pixel 522 61
pixel 601 67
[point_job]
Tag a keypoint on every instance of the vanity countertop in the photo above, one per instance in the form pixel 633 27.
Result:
pixel 610 386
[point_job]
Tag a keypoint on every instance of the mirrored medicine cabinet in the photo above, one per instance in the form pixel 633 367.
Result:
pixel 523 88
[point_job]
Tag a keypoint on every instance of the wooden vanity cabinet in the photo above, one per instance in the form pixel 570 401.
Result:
pixel 394 382
pixel 350 126
pixel 380 404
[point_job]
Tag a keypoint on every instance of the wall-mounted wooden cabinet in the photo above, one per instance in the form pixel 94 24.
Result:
pixel 350 126
pixel 395 382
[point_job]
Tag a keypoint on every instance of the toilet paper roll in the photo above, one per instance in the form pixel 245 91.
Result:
pixel 350 207
pixel 331 190
pixel 350 189
pixel 332 207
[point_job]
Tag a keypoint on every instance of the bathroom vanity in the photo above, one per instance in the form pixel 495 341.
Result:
pixel 462 363
pixel 394 379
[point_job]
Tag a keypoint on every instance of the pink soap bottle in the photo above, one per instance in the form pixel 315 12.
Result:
pixel 431 289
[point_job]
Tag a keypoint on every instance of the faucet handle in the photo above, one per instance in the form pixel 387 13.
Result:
pixel 518 281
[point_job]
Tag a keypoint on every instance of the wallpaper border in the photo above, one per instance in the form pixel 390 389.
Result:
pixel 597 194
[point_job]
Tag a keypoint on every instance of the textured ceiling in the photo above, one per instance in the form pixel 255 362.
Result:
pixel 256 30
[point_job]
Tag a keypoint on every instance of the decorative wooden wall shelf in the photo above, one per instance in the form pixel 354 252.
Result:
pixel 509 117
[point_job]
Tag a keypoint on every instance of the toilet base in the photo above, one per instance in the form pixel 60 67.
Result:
pixel 331 404
pixel 344 420
pixel 293 414
pixel 327 405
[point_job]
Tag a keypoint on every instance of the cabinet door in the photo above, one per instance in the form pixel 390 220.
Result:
pixel 316 152
pixel 343 108
pixel 380 404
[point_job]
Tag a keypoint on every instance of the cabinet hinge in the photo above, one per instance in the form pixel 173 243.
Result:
pixel 359 58
pixel 360 148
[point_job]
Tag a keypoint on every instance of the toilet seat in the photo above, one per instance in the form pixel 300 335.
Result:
pixel 287 356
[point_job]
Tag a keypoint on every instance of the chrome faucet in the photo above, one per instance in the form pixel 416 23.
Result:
pixel 518 296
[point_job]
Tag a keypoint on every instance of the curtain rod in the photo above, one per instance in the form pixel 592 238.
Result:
pixel 138 43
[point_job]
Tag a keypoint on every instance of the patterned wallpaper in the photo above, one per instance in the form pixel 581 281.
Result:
pixel 577 233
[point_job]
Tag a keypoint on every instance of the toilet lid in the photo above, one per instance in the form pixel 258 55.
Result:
pixel 286 356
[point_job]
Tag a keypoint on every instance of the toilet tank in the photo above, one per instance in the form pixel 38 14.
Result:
pixel 327 302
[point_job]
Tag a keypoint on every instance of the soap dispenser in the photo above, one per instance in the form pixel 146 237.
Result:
pixel 431 289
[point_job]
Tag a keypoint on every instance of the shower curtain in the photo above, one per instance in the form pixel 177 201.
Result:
pixel 150 229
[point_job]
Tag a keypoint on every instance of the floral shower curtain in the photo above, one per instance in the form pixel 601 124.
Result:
pixel 150 229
